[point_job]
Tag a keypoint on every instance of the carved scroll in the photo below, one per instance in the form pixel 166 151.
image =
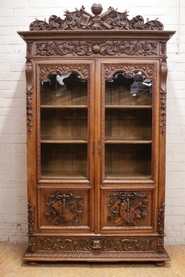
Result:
pixel 126 208
pixel 64 209
pixel 82 20
pixel 29 92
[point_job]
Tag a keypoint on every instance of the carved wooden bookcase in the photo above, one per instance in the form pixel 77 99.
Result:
pixel 96 120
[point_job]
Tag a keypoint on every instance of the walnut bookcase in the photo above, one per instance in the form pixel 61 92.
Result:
pixel 96 120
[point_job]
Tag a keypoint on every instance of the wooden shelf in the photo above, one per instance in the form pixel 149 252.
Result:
pixel 64 175
pixel 127 176
pixel 127 141
pixel 63 106
pixel 64 141
pixel 128 106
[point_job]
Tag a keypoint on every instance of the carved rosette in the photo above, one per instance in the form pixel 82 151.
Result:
pixel 161 218
pixel 102 48
pixel 81 20
pixel 94 244
pixel 126 208
pixel 29 92
pixel 64 208
pixel 45 70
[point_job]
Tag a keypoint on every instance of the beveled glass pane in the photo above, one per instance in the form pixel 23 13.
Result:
pixel 64 127
pixel 64 90
pixel 128 126
pixel 67 160
pixel 134 89
pixel 131 161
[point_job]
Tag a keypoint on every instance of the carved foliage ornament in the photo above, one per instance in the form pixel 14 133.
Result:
pixel 68 244
pixel 103 48
pixel 126 208
pixel 64 209
pixel 82 20
pixel 45 70
pixel 110 69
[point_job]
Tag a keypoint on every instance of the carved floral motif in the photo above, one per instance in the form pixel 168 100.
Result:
pixel 64 208
pixel 93 244
pixel 103 48
pixel 126 208
pixel 82 20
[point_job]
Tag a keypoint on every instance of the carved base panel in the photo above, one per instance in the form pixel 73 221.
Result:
pixel 96 249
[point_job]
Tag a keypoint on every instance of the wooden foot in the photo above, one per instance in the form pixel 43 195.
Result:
pixel 32 263
pixel 159 263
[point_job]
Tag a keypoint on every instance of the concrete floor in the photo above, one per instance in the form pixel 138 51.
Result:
pixel 11 265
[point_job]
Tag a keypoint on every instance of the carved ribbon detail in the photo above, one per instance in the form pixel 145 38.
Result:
pixel 82 20
pixel 127 207
pixel 64 209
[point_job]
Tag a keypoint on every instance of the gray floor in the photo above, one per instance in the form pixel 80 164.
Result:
pixel 12 265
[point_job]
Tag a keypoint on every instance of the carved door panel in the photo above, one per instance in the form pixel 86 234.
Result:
pixel 129 143
pixel 65 139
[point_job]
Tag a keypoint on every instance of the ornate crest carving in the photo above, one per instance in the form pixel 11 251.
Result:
pixel 126 208
pixel 103 48
pixel 29 92
pixel 82 20
pixel 94 244
pixel 64 209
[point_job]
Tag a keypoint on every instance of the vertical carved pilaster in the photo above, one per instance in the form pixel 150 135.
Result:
pixel 29 92
pixel 32 244
pixel 161 218
pixel 30 219
pixel 163 96
pixel 31 238
pixel 160 245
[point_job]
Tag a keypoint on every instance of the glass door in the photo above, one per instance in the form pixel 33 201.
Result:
pixel 64 123
pixel 127 134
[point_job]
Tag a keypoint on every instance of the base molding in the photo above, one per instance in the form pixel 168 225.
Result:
pixel 96 249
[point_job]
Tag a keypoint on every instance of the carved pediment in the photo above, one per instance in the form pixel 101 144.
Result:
pixel 82 20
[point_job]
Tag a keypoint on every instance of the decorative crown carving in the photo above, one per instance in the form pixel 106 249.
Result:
pixel 111 19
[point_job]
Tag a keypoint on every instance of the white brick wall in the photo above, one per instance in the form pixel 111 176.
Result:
pixel 17 15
